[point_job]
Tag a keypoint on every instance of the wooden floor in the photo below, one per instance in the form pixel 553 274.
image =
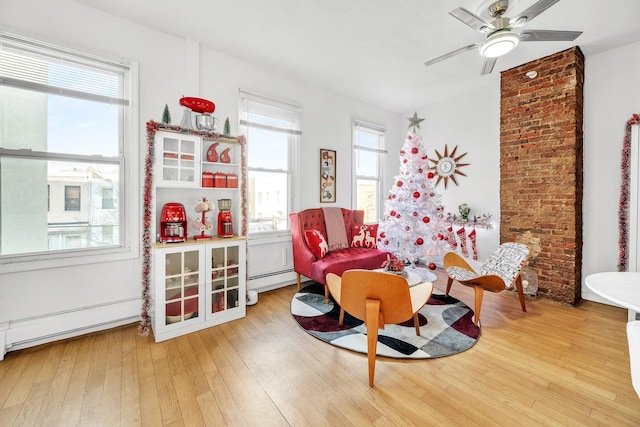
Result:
pixel 553 365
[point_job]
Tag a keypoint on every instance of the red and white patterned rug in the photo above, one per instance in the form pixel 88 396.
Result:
pixel 446 327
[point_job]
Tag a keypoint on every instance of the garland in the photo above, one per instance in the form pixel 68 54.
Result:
pixel 147 241
pixel 623 220
pixel 145 321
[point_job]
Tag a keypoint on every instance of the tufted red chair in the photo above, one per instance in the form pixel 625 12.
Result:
pixel 304 261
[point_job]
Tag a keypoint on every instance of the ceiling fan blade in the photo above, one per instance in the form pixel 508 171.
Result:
pixel 488 65
pixel 531 12
pixel 474 21
pixel 451 54
pixel 548 36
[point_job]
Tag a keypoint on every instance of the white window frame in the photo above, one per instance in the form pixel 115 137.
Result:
pixel 380 151
pixel 128 192
pixel 294 142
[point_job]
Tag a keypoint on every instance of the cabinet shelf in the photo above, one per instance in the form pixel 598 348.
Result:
pixel 221 164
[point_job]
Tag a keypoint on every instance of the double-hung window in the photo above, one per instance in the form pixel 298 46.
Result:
pixel 272 129
pixel 66 125
pixel 368 151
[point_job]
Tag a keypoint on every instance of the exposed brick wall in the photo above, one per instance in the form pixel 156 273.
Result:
pixel 541 167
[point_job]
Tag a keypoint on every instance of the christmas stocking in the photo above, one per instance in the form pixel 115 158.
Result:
pixel 463 242
pixel 474 248
pixel 451 239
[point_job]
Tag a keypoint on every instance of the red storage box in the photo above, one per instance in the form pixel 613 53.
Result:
pixel 232 180
pixel 207 179
pixel 219 180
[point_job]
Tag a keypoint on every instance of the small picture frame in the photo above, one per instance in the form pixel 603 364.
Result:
pixel 327 176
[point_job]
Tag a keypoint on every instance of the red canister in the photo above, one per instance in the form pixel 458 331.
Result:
pixel 207 179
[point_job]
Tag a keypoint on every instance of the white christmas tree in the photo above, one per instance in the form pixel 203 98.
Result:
pixel 413 228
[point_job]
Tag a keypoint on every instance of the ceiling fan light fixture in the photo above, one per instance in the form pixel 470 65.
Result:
pixel 499 43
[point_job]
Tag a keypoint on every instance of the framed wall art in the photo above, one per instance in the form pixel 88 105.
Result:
pixel 327 176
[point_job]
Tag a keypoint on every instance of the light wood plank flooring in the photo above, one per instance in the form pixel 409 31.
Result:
pixel 553 365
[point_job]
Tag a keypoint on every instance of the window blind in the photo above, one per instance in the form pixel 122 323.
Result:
pixel 33 65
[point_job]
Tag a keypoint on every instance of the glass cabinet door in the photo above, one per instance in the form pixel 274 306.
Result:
pixel 224 291
pixel 178 160
pixel 181 286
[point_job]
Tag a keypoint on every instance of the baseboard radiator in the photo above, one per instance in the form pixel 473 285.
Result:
pixel 28 332
pixel 271 280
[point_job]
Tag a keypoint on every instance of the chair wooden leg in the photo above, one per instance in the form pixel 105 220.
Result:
pixel 479 293
pixel 326 294
pixel 449 283
pixel 372 318
pixel 416 323
pixel 341 319
pixel 520 293
pixel 298 280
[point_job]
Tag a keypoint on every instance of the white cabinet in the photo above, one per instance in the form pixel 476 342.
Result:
pixel 198 285
pixel 195 283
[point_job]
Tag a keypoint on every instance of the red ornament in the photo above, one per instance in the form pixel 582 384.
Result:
pixel 404 160
pixel 432 266
pixel 414 150
pixel 399 183
pixel 402 152
pixel 382 234
pixel 430 175
pixel 407 228
pixel 426 219
pixel 420 170
pixel 419 241
pixel 386 242
pixel 415 213
pixel 416 194
pixel 397 215
pixel 392 213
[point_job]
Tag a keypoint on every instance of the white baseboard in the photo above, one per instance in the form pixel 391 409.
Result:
pixel 23 333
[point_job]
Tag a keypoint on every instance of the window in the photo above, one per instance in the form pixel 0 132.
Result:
pixel 107 199
pixel 71 198
pixel 273 131
pixel 368 150
pixel 63 152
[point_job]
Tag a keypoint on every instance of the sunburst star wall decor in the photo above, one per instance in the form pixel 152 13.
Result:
pixel 447 165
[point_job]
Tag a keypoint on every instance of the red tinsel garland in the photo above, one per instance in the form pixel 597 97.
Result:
pixel 145 321
pixel 147 241
pixel 623 220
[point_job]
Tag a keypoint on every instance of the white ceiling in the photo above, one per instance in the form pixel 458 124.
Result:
pixel 374 50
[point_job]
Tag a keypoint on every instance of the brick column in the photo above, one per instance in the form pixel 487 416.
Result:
pixel 541 167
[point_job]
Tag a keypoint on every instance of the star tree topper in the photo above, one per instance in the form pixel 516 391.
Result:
pixel 414 121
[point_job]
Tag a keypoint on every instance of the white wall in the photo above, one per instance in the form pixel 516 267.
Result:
pixel 611 96
pixel 47 304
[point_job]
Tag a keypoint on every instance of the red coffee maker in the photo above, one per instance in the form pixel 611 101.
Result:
pixel 225 224
pixel 173 223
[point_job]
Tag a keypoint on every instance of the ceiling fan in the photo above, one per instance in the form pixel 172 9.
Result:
pixel 502 36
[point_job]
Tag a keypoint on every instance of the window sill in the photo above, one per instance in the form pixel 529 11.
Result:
pixel 42 261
